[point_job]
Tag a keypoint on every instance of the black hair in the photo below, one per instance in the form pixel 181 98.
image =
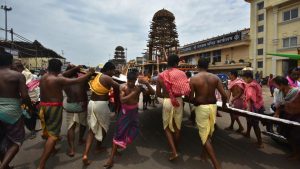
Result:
pixel 6 59
pixel 69 67
pixel 132 75
pixel 173 60
pixel 54 65
pixel 290 71
pixel 134 70
pixel 248 74
pixel 234 73
pixel 188 74
pixel 107 67
pixel 203 63
pixel 280 80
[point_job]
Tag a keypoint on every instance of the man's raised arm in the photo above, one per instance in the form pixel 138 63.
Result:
pixel 223 93
pixel 71 72
pixel 158 88
pixel 67 81
pixel 24 93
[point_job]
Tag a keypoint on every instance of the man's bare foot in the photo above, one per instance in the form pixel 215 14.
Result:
pixel 229 128
pixel 81 142
pixel 260 145
pixel 109 164
pixel 100 150
pixel 71 153
pixel 86 161
pixel 240 130
pixel 173 157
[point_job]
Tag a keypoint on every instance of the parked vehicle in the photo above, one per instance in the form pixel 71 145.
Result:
pixel 224 78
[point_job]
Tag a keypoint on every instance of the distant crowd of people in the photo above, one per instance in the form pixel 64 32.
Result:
pixel 24 99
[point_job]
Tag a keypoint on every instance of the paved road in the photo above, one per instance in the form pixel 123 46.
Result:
pixel 150 150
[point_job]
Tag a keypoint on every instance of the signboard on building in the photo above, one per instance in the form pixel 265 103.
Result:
pixel 236 36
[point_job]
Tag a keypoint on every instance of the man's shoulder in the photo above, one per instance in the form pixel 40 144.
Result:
pixel 198 77
pixel 13 73
pixel 49 77
pixel 105 77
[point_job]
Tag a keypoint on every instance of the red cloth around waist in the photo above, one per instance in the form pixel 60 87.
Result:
pixel 51 104
pixel 129 107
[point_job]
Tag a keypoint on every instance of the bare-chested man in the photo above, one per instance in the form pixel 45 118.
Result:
pixel 51 106
pixel 127 126
pixel 76 108
pixel 203 86
pixel 173 102
pixel 12 90
pixel 236 88
pixel 288 107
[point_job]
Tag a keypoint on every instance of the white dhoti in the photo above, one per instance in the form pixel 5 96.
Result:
pixel 98 117
pixel 79 118
pixel 76 113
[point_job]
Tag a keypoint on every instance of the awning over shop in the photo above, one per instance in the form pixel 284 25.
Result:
pixel 291 56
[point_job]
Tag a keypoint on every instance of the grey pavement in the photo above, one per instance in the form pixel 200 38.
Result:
pixel 150 149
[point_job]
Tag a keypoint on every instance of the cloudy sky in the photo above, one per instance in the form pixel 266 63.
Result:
pixel 89 30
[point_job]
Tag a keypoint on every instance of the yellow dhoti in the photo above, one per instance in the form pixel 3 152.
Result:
pixel 171 113
pixel 206 119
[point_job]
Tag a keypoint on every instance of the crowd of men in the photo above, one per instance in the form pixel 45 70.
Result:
pixel 24 100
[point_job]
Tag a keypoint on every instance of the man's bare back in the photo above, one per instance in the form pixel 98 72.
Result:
pixel 204 85
pixel 76 92
pixel 12 84
pixel 51 88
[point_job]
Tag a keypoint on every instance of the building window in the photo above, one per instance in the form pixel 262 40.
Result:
pixel 216 56
pixel 260 51
pixel 260 40
pixel 261 17
pixel 260 5
pixel 293 41
pixel 290 42
pixel 260 28
pixel 206 56
pixel 260 64
pixel 290 14
pixel 189 60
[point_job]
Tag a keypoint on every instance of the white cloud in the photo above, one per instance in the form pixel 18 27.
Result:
pixel 89 30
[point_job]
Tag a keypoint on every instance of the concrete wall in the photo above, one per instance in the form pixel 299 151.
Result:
pixel 39 62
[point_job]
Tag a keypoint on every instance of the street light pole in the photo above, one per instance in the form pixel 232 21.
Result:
pixel 6 9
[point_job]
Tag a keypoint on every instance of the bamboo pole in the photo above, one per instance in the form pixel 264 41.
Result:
pixel 261 117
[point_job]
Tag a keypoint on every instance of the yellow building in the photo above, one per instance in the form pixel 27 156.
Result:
pixel 226 52
pixel 275 28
